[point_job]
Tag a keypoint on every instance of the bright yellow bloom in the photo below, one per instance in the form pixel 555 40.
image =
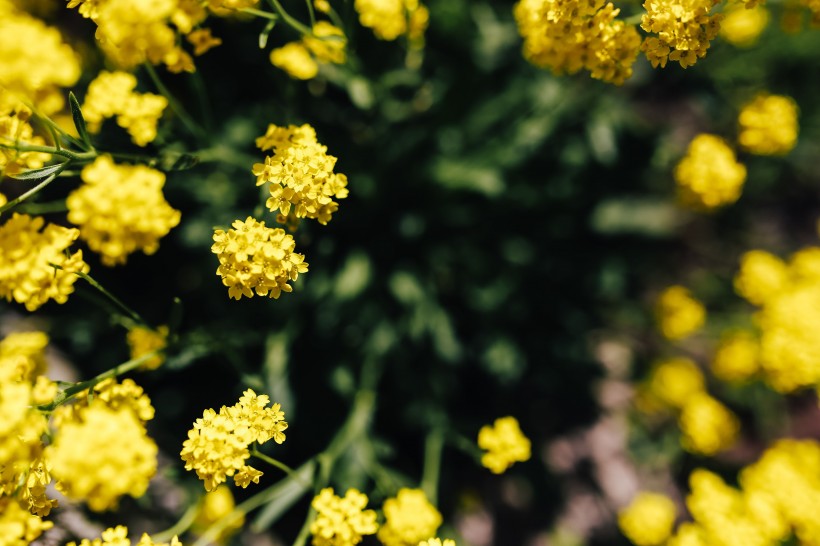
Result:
pixel 768 125
pixel 144 340
pixel 214 506
pixel 505 444
pixel 762 276
pixel 25 352
pixel 327 43
pixel 409 519
pixel 341 521
pixel 16 129
pixel 736 358
pixel 253 257
pixel 121 209
pixel 116 395
pixel 707 426
pixel 679 315
pixel 390 19
pixel 742 26
pixel 675 380
pixel 118 536
pixel 102 454
pixel 295 59
pixel 437 542
pixel 203 41
pixel 684 29
pixel 28 257
pixel 217 445
pixel 648 520
pixel 18 527
pixel 568 36
pixel 709 175
pixel 300 173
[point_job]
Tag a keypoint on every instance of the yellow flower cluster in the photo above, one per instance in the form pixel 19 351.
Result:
pixel 19 527
pixel 341 521
pixel 709 175
pixel 127 395
pixel 648 520
pixel 390 19
pixel 132 32
pixel 143 340
pixel 567 36
pixel 409 519
pixel 28 258
pixel 706 425
pixel 253 257
pixel 678 314
pixel 788 295
pixel 775 503
pixel 741 26
pixel 505 444
pixel 301 59
pixel 684 30
pixel 217 445
pixel 768 125
pixel 214 506
pixel 736 358
pixel 36 61
pixel 118 536
pixel 300 173
pixel 121 209
pixel 437 542
pixel 15 129
pixel 112 94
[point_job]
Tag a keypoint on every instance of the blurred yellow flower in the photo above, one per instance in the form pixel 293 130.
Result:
pixel 648 519
pixel 768 125
pixel 678 314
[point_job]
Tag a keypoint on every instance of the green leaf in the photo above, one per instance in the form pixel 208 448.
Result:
pixel 79 120
pixel 34 174
pixel 175 161
pixel 263 36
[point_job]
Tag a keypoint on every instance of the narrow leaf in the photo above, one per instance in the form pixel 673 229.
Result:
pixel 37 173
pixel 263 36
pixel 79 120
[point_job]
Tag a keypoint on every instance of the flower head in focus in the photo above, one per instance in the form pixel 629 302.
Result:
pixel 409 519
pixel 341 521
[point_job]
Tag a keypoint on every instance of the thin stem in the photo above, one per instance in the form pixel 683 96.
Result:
pixel 23 147
pixel 465 444
pixel 273 462
pixel 43 208
pixel 133 315
pixel 179 527
pixel 311 13
pixel 432 464
pixel 304 532
pixel 186 120
pixel 286 17
pixel 48 180
pixel 260 13
pixel 68 393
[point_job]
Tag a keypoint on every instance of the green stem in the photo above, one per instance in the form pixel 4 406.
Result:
pixel 311 13
pixel 68 393
pixel 304 532
pixel 470 447
pixel 179 527
pixel 53 150
pixel 186 119
pixel 273 462
pixel 133 315
pixel 48 180
pixel 43 208
pixel 432 464
pixel 260 13
pixel 286 17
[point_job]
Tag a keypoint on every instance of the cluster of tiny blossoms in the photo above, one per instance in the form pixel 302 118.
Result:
pixel 768 125
pixel 567 36
pixel 678 314
pixel 741 25
pixel 217 445
pixel 16 129
pixel 505 444
pixel 112 94
pixel 118 536
pixel 775 503
pixel 301 59
pixel 409 519
pixel 390 19
pixel 121 209
pixel 341 521
pixel 684 30
pixel 709 175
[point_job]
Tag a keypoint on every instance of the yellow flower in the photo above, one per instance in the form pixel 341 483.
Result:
pixel 300 174
pixel 253 257
pixel 684 30
pixel 118 536
pixel 707 426
pixel 121 209
pixel 437 542
pixel 217 445
pixel 203 41
pixel 709 176
pixel 390 19
pixel 768 125
pixel 144 340
pixel 742 26
pixel 736 358
pixel 675 380
pixel 762 276
pixel 18 527
pixel 648 520
pixel 214 506
pixel 14 128
pixel 679 315
pixel 409 519
pixel 327 43
pixel 295 59
pixel 341 521
pixel 102 454
pixel 28 257
pixel 25 352
pixel 505 444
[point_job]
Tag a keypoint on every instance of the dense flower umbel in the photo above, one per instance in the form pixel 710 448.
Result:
pixel 648 520
pixel 255 258
pixel 300 173
pixel 301 59
pixel 143 340
pixel 16 129
pixel 409 519
pixel 673 381
pixel 18 527
pixel 684 30
pixel 121 209
pixel 736 358
pixel 768 125
pixel 741 26
pixel 567 36
pixel 706 425
pixel 118 536
pixel 390 19
pixel 28 257
pixel 505 444
pixel 217 445
pixel 709 175
pixel 678 314
pixel 437 542
pixel 341 521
